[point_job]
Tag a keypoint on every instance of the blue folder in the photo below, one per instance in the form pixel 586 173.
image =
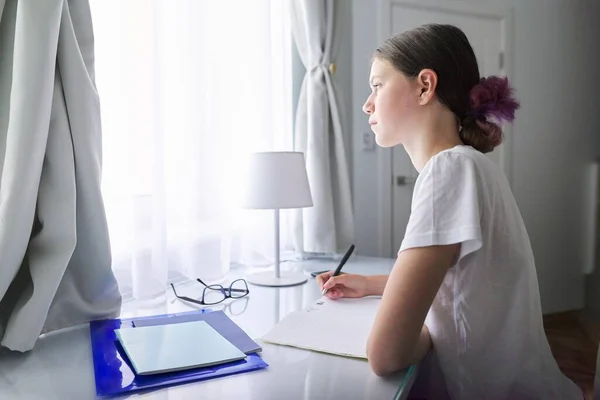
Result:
pixel 114 374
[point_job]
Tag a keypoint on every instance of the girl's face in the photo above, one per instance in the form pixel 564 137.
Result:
pixel 393 106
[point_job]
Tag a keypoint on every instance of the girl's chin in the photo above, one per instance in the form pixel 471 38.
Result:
pixel 383 141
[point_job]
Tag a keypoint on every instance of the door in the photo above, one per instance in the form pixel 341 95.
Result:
pixel 486 36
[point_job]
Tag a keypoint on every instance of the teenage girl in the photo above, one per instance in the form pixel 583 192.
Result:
pixel 464 283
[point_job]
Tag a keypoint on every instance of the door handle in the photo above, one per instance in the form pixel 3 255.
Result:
pixel 402 180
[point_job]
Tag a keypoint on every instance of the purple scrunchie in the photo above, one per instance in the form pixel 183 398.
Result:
pixel 493 98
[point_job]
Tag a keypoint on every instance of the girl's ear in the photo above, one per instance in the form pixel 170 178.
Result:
pixel 426 83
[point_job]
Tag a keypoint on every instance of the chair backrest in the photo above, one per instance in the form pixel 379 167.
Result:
pixel 597 378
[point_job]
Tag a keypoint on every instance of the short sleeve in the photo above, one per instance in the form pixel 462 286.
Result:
pixel 446 205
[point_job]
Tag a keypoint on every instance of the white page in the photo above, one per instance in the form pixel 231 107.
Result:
pixel 338 327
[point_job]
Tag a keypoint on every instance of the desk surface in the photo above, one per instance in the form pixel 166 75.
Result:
pixel 60 365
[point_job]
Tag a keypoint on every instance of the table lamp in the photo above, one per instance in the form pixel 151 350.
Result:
pixel 277 180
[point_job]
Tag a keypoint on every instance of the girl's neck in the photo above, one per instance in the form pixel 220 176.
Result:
pixel 435 137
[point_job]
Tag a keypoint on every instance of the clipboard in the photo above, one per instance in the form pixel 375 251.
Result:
pixel 114 374
pixel 217 319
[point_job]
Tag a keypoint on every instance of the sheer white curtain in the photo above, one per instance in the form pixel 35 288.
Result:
pixel 187 89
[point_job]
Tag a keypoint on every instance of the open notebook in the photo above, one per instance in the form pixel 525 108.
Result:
pixel 167 348
pixel 338 327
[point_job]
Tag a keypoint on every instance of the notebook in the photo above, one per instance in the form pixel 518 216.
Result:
pixel 174 347
pixel 339 327
pixel 217 319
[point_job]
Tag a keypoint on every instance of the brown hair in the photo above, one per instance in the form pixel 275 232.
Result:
pixel 446 50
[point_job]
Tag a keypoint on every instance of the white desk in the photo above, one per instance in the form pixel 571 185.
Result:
pixel 60 365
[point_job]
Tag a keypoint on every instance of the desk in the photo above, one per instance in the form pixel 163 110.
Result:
pixel 60 366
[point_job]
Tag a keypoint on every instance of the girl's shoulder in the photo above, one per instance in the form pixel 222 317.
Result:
pixel 460 159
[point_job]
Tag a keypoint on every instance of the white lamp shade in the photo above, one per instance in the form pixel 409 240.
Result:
pixel 277 180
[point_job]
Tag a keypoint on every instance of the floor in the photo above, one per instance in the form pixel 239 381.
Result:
pixel 574 341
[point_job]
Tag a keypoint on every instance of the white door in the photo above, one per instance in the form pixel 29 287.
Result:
pixel 486 36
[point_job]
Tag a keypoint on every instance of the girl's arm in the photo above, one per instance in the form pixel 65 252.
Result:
pixel 399 338
pixel 376 284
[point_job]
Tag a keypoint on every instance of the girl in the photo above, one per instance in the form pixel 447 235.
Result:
pixel 464 282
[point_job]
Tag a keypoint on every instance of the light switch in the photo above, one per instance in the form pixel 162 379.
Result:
pixel 368 141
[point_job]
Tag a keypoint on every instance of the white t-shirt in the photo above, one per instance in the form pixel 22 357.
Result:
pixel 486 320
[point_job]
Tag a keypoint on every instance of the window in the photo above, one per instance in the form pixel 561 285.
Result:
pixel 187 90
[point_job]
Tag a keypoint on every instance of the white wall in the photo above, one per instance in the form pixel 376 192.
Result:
pixel 344 75
pixel 555 134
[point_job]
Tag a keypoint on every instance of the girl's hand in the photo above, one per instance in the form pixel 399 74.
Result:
pixel 343 285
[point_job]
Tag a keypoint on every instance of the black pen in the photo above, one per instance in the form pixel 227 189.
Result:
pixel 339 267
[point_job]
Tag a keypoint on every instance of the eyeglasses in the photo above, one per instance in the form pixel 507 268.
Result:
pixel 215 294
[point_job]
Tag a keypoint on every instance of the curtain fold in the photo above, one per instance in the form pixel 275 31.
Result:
pixel 328 227
pixel 55 260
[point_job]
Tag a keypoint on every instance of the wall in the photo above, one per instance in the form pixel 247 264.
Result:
pixel 343 75
pixel 592 287
pixel 556 134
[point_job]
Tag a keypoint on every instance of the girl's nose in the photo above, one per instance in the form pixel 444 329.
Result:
pixel 368 106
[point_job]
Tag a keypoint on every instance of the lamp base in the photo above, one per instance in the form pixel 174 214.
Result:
pixel 269 279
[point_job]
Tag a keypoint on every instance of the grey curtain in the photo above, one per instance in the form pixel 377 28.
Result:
pixel 55 262
pixel 328 226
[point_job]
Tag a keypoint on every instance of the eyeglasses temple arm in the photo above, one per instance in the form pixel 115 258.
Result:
pixel 238 290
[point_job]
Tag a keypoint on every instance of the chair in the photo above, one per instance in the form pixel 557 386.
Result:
pixel 597 378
